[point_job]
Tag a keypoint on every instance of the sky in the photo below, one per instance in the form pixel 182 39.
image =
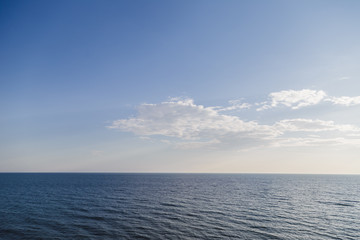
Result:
pixel 180 86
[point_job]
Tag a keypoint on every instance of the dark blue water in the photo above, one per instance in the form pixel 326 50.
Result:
pixel 179 206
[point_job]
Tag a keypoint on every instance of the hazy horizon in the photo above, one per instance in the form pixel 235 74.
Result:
pixel 184 173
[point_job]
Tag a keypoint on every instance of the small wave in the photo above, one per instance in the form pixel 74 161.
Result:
pixel 194 210
pixel 351 201
pixel 169 204
pixel 344 204
pixel 89 217
pixel 336 203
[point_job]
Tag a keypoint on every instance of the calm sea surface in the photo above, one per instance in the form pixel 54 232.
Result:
pixel 179 206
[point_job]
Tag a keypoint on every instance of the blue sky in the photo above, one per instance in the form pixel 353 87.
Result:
pixel 180 86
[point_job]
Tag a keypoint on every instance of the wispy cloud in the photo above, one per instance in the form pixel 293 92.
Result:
pixel 187 125
pixel 234 105
pixel 346 101
pixel 296 99
pixel 344 78
pixel 310 125
pixel 185 120
pixel 316 142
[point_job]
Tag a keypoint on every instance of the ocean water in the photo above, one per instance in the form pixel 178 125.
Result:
pixel 179 206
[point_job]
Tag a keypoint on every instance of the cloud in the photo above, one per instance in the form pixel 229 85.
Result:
pixel 316 142
pixel 296 99
pixel 186 125
pixel 315 133
pixel 293 99
pixel 346 101
pixel 235 105
pixel 300 132
pixel 184 120
pixel 309 125
pixel 344 78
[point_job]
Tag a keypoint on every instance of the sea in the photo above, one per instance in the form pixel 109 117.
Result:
pixel 178 206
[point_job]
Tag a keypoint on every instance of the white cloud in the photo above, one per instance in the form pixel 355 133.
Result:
pixel 192 126
pixel 235 105
pixel 327 133
pixel 309 125
pixel 187 125
pixel 294 99
pixel 315 142
pixel 344 78
pixel 346 101
pixel 184 120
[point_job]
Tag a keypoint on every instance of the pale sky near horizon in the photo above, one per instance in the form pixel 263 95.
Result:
pixel 180 86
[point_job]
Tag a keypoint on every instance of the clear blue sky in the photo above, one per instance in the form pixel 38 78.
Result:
pixel 180 86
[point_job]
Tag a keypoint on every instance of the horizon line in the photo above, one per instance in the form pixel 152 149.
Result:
pixel 104 172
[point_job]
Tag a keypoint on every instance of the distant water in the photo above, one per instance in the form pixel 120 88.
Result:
pixel 179 206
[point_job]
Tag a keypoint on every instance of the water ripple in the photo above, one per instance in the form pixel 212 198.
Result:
pixel 178 206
